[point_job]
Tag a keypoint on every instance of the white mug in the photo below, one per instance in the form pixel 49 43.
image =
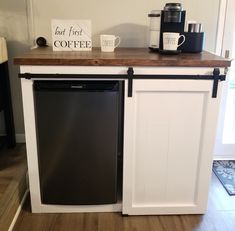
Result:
pixel 107 42
pixel 171 40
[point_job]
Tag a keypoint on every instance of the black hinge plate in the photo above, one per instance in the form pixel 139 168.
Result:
pixel 130 73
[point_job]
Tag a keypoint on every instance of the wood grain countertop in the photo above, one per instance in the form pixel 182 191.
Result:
pixel 121 57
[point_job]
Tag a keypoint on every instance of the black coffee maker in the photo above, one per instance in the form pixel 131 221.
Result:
pixel 172 20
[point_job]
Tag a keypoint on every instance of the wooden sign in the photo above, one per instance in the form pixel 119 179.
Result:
pixel 71 35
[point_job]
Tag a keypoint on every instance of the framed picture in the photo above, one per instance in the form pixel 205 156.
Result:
pixel 71 35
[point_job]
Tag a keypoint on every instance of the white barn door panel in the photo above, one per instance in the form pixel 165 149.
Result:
pixel 169 137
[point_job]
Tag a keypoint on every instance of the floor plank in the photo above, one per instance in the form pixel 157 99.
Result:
pixel 220 216
pixel 13 169
pixel 12 162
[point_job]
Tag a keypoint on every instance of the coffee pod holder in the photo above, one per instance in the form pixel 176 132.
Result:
pixel 194 42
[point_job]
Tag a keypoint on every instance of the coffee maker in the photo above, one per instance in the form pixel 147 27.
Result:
pixel 172 20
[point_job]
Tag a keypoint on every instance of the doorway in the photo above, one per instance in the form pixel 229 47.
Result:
pixel 225 140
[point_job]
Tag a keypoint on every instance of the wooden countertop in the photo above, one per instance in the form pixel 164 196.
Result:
pixel 121 57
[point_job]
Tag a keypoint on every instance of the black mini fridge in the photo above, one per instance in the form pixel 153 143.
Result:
pixel 79 138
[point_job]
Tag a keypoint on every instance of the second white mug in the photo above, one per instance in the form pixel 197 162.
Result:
pixel 109 42
pixel 171 40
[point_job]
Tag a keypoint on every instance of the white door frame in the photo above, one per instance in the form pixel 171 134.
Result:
pixel 221 26
pixel 225 151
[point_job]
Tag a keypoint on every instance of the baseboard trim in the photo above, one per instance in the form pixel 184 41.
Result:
pixel 18 211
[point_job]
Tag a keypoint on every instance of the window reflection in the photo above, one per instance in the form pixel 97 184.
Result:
pixel 229 122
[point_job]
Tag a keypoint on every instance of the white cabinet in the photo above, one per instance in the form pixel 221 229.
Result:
pixel 169 133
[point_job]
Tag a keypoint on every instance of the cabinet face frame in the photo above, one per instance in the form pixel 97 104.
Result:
pixel 31 141
pixel 205 157
pixel 32 159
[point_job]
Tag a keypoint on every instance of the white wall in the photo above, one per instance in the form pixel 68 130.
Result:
pixel 126 18
pixel 13 26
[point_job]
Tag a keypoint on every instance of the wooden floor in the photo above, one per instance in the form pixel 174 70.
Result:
pixel 12 162
pixel 219 217
pixel 13 170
